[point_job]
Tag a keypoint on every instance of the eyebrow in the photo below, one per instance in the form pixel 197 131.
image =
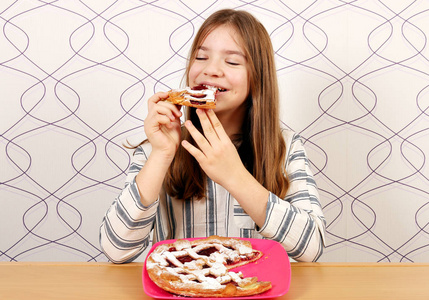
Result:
pixel 230 52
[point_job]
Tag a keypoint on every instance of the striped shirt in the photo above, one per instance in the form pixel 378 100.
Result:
pixel 296 221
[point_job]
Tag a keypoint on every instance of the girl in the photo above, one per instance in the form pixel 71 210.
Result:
pixel 232 171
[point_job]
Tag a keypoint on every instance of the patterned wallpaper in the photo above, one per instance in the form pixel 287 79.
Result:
pixel 75 77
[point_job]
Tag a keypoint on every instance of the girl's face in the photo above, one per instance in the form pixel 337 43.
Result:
pixel 220 62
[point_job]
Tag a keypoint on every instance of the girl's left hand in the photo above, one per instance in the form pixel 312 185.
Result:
pixel 216 155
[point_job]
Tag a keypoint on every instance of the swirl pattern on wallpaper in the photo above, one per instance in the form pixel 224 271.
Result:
pixel 75 77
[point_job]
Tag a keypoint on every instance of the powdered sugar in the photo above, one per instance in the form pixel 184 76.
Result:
pixel 210 271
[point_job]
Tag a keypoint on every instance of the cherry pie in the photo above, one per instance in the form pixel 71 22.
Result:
pixel 199 96
pixel 200 268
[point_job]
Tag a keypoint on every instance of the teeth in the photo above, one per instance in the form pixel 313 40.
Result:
pixel 217 88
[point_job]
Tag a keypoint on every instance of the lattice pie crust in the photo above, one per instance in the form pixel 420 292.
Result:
pixel 200 268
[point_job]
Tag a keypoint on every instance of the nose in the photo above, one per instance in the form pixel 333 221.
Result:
pixel 213 68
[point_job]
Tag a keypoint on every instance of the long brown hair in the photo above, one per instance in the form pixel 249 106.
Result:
pixel 261 145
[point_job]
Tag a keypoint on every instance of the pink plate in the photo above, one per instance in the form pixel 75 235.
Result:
pixel 274 266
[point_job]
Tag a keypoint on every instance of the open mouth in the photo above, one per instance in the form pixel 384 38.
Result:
pixel 204 86
pixel 220 90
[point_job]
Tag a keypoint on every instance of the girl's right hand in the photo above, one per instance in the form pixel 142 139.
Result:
pixel 162 125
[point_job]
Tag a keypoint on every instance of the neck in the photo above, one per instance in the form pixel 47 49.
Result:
pixel 232 121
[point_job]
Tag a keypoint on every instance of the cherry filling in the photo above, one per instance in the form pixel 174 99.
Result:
pixel 198 102
pixel 207 252
pixel 185 259
pixel 182 259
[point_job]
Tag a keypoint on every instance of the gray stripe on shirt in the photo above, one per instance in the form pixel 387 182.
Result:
pixel 211 208
pixel 188 219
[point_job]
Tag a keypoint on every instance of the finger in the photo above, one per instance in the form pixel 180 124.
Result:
pixel 168 109
pixel 175 109
pixel 216 124
pixel 206 124
pixel 199 139
pixel 164 120
pixel 194 151
pixel 162 108
pixel 159 98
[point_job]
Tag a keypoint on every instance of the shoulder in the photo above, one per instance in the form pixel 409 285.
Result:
pixel 143 149
pixel 290 136
pixel 294 145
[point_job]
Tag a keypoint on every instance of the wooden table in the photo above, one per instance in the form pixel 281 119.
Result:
pixel 313 281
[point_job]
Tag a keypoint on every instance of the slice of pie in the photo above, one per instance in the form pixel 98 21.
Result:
pixel 200 96
pixel 201 268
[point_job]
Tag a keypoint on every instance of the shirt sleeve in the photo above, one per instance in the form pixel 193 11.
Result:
pixel 126 226
pixel 297 221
